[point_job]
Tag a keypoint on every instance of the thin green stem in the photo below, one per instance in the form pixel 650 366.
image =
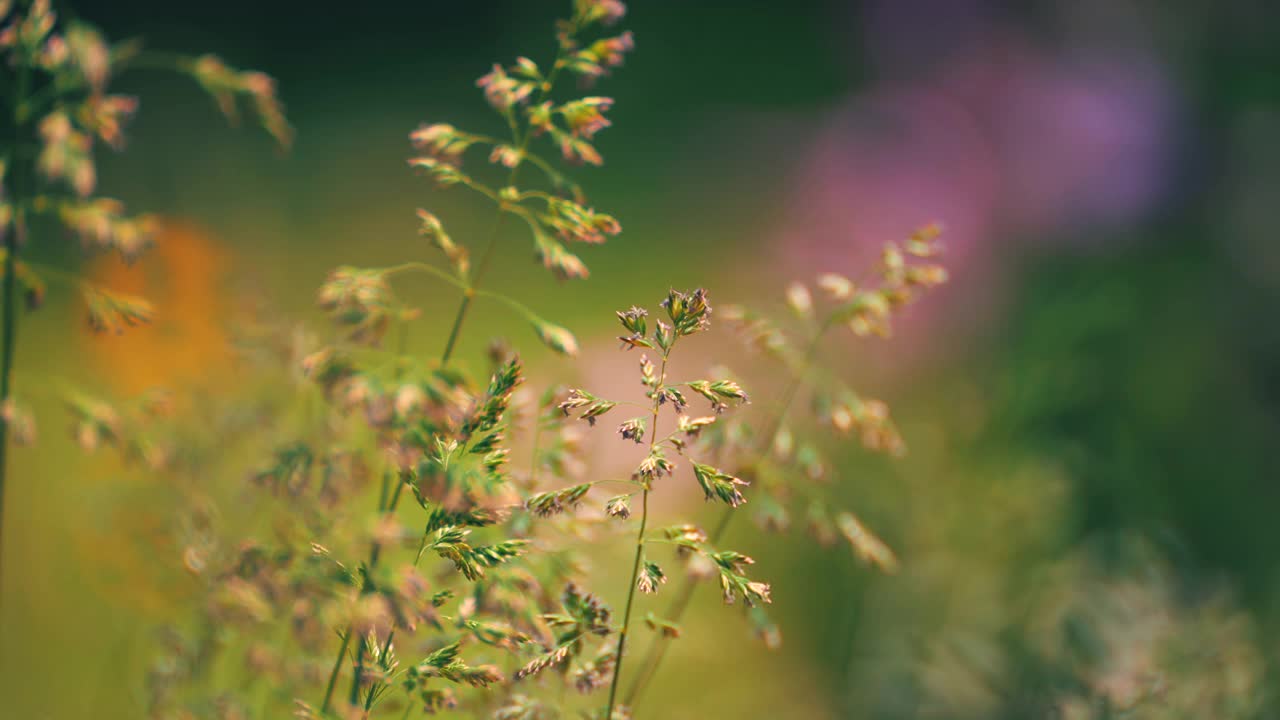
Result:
pixel 333 675
pixel 557 178
pixel 640 542
pixel 383 507
pixel 482 189
pixel 384 489
pixel 426 268
pixel 628 403
pixel 619 481
pixel 457 327
pixel 374 555
pixel 512 303
pixel 401 343
pixel 474 286
pixel 658 648
pixel 353 697
pixel 386 647
pixel 631 595
pixel 470 292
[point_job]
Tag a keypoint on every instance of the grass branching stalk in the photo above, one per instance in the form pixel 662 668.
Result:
pixel 684 595
pixel 473 286
pixel 640 540
pixel 469 293
pixel 471 289
pixel 436 425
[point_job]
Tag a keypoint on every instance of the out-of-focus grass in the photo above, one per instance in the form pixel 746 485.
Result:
pixel 1119 395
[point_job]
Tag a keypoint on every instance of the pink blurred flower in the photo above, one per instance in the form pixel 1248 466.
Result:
pixel 1003 141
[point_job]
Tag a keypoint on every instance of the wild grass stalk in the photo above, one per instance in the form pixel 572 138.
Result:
pixel 426 604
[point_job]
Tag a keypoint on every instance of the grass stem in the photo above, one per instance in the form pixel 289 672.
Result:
pixel 635 565
pixel 658 648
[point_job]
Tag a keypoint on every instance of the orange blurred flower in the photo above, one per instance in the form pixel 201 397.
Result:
pixel 188 340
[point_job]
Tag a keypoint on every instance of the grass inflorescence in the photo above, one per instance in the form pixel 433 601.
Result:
pixel 402 555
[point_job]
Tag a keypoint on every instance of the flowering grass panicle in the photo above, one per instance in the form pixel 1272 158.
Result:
pixel 448 593
pixel 784 467
pixel 402 555
pixel 775 473
pixel 686 314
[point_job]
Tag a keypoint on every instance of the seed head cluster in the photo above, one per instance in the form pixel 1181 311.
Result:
pixel 422 542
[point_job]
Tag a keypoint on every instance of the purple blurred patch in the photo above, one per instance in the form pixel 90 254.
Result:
pixel 1002 140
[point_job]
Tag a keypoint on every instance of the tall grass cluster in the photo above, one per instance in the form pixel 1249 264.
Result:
pixel 422 549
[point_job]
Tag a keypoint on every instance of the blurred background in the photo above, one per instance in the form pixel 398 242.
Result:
pixel 1088 505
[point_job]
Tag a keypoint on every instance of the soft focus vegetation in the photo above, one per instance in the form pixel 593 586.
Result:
pixel 346 435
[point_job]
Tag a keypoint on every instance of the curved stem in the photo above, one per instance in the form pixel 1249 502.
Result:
pixel 658 648
pixel 640 541
pixel 512 303
pixel 416 266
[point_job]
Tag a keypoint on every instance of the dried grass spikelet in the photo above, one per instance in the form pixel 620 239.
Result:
pixel 230 87
pixel 20 421
pixel 360 300
pixel 66 154
pixel 865 544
